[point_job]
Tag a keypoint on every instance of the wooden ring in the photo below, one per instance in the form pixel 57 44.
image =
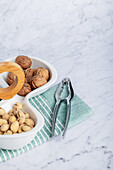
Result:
pixel 12 90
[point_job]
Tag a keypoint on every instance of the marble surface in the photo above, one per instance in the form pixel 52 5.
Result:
pixel 76 36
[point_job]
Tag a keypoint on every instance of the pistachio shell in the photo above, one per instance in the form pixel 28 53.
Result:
pixel 14 126
pixel 2 121
pixel 26 128
pixel 21 120
pixel 15 111
pixel 20 128
pixel 5 116
pixel 9 132
pixel 20 114
pixel 11 112
pixel 4 127
pixel 12 119
pixel 26 115
pixel 29 122
pixel 17 105
pixel 2 111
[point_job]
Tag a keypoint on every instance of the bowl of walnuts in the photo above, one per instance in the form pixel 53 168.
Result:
pixel 39 75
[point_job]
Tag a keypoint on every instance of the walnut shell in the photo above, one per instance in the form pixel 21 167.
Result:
pixel 25 90
pixel 29 72
pixel 11 78
pixel 38 81
pixel 43 72
pixel 24 61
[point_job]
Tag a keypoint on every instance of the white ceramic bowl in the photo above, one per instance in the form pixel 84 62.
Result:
pixel 17 141
pixel 36 62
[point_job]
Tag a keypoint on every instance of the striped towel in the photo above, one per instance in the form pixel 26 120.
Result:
pixel 44 103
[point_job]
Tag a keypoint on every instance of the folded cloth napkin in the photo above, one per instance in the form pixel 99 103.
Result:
pixel 44 103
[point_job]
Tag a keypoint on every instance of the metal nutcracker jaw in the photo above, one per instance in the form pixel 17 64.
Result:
pixel 59 99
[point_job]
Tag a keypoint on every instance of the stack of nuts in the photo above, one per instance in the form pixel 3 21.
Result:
pixel 34 78
pixel 16 121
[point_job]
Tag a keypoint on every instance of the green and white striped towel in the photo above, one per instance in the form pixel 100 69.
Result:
pixel 44 103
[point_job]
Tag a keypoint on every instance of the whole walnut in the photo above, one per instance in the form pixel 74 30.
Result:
pixel 25 90
pixel 37 81
pixel 43 72
pixel 24 61
pixel 29 72
pixel 11 77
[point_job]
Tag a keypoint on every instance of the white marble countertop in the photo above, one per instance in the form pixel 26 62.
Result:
pixel 76 36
